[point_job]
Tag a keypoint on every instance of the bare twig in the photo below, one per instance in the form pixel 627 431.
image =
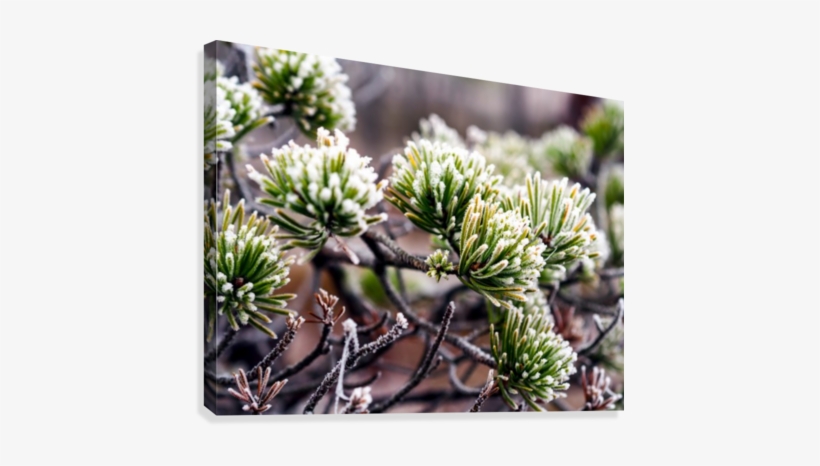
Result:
pixel 242 187
pixel 400 254
pixel 293 325
pixel 424 368
pixel 601 335
pixel 331 377
pixel 270 358
pixel 322 347
pixel 598 395
pixel 487 391
pixel 588 305
pixel 260 402
pixel 467 347
pixel 221 346
pixel 457 384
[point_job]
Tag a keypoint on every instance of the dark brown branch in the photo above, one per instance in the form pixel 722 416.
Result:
pixel 424 368
pixel 310 386
pixel 487 391
pixel 332 376
pixel 244 192
pixel 457 384
pixel 221 346
pixel 268 360
pixel 400 254
pixel 287 338
pixel 379 268
pixel 588 305
pixel 322 347
pixel 601 335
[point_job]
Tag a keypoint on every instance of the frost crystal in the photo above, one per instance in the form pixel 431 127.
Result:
pixel 568 152
pixel 559 219
pixel 330 184
pixel 312 89
pixel 499 256
pixel 532 359
pixel 432 184
pixel 435 129
pixel 243 267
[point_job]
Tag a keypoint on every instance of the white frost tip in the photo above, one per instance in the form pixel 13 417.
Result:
pixel 401 321
pixel 349 326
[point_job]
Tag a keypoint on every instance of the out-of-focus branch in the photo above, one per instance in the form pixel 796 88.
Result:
pixel 223 344
pixel 601 335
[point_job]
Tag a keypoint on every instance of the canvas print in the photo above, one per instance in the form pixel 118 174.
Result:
pixel 385 240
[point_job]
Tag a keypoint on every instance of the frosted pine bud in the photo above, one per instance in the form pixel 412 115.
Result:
pixel 612 182
pixel 509 152
pixel 435 129
pixel 243 267
pixel 213 68
pixel 559 219
pixel 246 104
pixel 331 185
pixel 219 129
pixel 440 265
pixel 597 392
pixel 312 89
pixel 536 303
pixel 499 256
pixel 604 124
pixel 533 361
pixel 359 401
pixel 568 152
pixel 615 233
pixel 432 184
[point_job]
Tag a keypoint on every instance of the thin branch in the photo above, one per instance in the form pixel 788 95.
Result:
pixel 457 384
pixel 322 347
pixel 468 348
pixel 244 192
pixel 424 368
pixel 400 254
pixel 601 335
pixel 332 376
pixel 310 386
pixel 589 306
pixel 363 330
pixel 268 360
pixel 487 391
pixel 221 346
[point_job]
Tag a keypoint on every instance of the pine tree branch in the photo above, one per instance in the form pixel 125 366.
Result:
pixel 379 268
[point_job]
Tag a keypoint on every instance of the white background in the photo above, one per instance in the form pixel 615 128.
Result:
pixel 101 208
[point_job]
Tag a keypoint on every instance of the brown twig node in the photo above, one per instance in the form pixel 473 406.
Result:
pixel 489 389
pixel 259 402
pixel 596 390
pixel 353 358
pixel 359 401
pixel 326 302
